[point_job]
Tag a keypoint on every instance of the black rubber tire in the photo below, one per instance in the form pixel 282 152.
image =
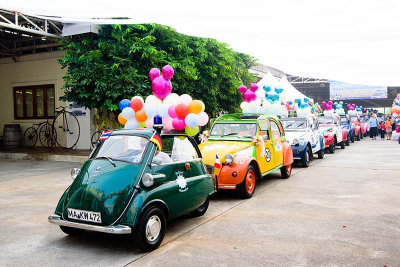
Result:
pixel 352 138
pixel 365 134
pixel 361 135
pixel 30 137
pixel 71 231
pixel 284 171
pixel 200 210
pixel 342 145
pixel 139 232
pixel 305 160
pixel 348 141
pixel 321 153
pixel 358 137
pixel 332 147
pixel 241 188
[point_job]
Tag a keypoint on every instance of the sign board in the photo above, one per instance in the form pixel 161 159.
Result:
pixel 345 91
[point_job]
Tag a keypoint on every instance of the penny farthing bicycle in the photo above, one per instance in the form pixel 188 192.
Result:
pixel 67 128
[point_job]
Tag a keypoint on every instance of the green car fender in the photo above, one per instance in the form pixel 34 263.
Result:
pixel 60 205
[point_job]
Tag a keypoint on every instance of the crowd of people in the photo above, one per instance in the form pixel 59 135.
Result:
pixel 382 126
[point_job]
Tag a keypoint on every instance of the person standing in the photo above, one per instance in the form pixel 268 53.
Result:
pixel 382 128
pixel 388 127
pixel 373 122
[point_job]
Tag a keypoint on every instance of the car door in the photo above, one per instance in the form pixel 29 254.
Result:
pixel 315 142
pixel 338 128
pixel 264 154
pixel 277 145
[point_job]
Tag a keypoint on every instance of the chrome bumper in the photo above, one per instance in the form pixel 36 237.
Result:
pixel 117 230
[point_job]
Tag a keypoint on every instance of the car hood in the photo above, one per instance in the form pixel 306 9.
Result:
pixel 103 187
pixel 325 128
pixel 212 148
pixel 292 135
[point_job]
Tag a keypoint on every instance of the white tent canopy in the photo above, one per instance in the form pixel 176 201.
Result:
pixel 351 41
pixel 291 93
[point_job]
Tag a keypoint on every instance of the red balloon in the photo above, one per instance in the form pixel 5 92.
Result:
pixel 136 104
pixel 181 110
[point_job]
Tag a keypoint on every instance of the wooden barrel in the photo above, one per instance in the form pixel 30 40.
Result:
pixel 12 135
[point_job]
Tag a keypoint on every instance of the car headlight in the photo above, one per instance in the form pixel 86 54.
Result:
pixel 75 172
pixel 228 158
pixel 295 141
pixel 147 180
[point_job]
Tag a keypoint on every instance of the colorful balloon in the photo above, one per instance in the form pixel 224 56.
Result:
pixel 154 73
pixel 163 110
pixel 128 113
pixel 181 110
pixel 167 72
pixel 203 118
pixel 136 104
pixel 191 120
pixel 140 116
pixel 161 87
pixel 171 111
pixel 121 119
pixel 195 106
pixel 178 124
pixel 185 99
pixel 124 104
pixel 191 131
pixel 132 124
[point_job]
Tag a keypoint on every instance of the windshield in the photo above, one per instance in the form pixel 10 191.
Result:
pixel 289 125
pixel 123 148
pixel 354 119
pixel 234 129
pixel 343 120
pixel 325 120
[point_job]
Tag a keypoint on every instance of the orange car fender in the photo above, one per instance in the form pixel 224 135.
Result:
pixel 234 173
pixel 287 154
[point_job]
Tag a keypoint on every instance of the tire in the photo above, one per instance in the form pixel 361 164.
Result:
pixel 358 137
pixel 342 145
pixel 361 135
pixel 200 210
pixel 150 229
pixel 305 160
pixel 321 153
pixel 247 187
pixel 71 231
pixel 286 171
pixel 332 147
pixel 352 138
pixel 348 141
pixel 67 127
pixel 30 137
pixel 47 135
pixel 365 134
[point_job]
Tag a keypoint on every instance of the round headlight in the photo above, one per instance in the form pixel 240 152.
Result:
pixel 147 180
pixel 75 172
pixel 229 158
pixel 295 141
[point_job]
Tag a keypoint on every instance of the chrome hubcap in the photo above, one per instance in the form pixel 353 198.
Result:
pixel 153 228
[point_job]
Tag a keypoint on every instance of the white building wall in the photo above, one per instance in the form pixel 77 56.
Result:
pixel 35 70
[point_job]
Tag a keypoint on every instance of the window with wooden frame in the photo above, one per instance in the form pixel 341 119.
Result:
pixel 34 102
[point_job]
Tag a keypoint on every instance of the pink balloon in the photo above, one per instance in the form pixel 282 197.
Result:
pixel 161 87
pixel 154 73
pixel 203 118
pixel 178 124
pixel 167 72
pixel 171 112
pixel 249 96
pixel 242 89
pixel 330 103
pixel 150 122
pixel 167 123
pixel 253 87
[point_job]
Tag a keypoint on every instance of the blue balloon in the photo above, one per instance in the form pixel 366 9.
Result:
pixel 272 97
pixel 278 89
pixel 267 88
pixel 124 104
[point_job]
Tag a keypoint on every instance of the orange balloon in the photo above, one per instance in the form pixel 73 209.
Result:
pixel 121 119
pixel 140 116
pixel 195 106
pixel 181 110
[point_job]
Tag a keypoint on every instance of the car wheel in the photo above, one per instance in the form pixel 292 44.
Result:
pixel 247 187
pixel 305 160
pixel 342 145
pixel 321 153
pixel 332 147
pixel 352 138
pixel 200 210
pixel 361 135
pixel 365 134
pixel 286 171
pixel 348 141
pixel 150 230
pixel 71 231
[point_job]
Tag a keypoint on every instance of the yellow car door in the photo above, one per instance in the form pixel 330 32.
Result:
pixel 276 142
pixel 264 155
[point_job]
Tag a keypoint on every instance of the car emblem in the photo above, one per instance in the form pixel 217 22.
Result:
pixel 267 155
pixel 181 182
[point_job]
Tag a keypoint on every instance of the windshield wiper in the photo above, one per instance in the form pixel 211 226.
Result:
pixel 228 134
pixel 109 159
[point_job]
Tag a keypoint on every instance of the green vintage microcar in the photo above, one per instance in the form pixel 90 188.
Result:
pixel 127 186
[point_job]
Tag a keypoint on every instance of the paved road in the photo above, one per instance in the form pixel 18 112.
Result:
pixel 344 210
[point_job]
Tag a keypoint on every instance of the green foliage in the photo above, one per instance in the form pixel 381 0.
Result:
pixel 114 65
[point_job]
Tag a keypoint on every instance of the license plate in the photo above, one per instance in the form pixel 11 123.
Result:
pixel 83 215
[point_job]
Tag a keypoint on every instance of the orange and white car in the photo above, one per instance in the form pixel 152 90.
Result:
pixel 245 147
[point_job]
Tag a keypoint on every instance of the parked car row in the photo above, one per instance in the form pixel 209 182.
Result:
pixel 134 181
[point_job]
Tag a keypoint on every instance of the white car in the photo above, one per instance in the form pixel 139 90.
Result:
pixel 304 137
pixel 330 127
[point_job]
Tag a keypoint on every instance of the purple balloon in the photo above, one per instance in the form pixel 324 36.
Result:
pixel 154 73
pixel 171 112
pixel 178 124
pixel 242 89
pixel 161 87
pixel 167 72
pixel 249 96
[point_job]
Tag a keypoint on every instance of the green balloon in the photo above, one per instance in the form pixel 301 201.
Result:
pixel 191 131
pixel 142 124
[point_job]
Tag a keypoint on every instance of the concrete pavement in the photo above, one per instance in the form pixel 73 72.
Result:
pixel 343 210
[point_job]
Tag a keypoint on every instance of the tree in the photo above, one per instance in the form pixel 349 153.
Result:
pixel 114 65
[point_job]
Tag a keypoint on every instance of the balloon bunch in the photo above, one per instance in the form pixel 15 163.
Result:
pixel 174 111
pixel 359 110
pixel 328 108
pixel 304 109
pixel 251 104
pixel 272 95
pixel 396 106
pixel 339 108
pixel 290 106
pixel 364 111
pixel 352 110
pixel 316 109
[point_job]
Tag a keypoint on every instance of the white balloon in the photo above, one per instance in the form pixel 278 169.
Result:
pixel 172 99
pixel 132 124
pixel 267 105
pixel 276 106
pixel 151 110
pixel 248 111
pixel 185 98
pixel 258 102
pixel 244 105
pixel 253 105
pixel 163 110
pixel 128 113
